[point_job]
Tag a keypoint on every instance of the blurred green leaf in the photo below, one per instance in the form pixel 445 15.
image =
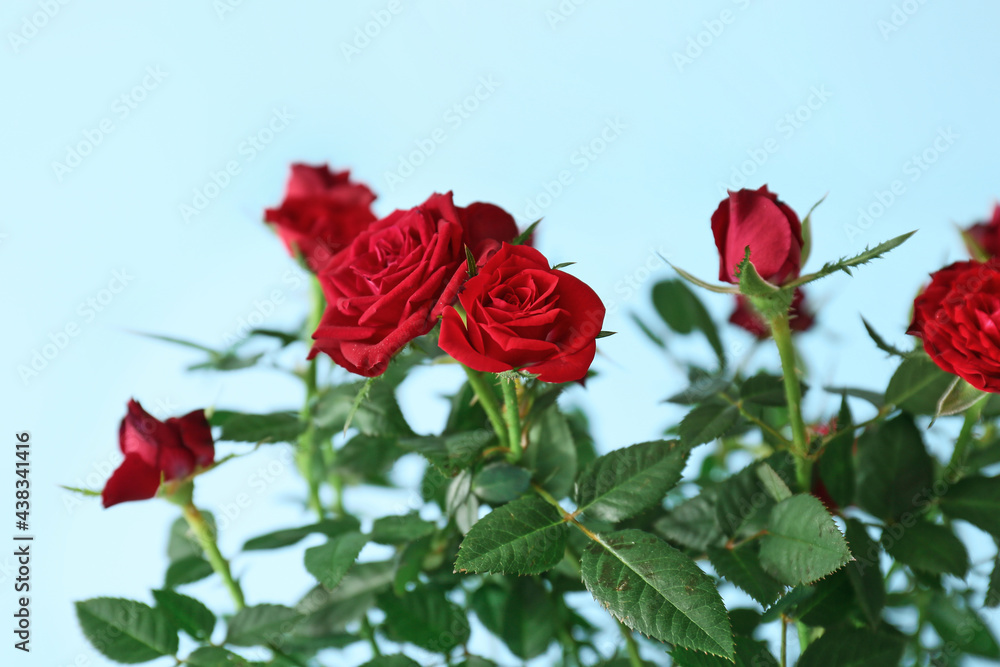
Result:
pixel 802 543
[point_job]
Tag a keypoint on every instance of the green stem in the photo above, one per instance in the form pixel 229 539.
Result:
pixel 309 456
pixel 369 633
pixel 488 399
pixel 633 648
pixel 957 462
pixel 512 416
pixel 762 425
pixel 206 538
pixel 793 394
pixel 784 641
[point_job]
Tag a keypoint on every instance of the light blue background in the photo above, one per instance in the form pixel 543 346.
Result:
pixel 557 80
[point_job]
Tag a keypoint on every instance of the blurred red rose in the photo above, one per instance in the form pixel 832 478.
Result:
pixel 757 218
pixel 958 318
pixel 322 213
pixel 155 450
pixel 393 282
pixel 521 314
pixel 983 238
pixel 746 317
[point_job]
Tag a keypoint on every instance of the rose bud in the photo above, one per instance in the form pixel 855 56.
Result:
pixel 958 318
pixel 395 279
pixel 155 451
pixel 983 238
pixel 746 317
pixel 322 213
pixel 757 218
pixel 521 314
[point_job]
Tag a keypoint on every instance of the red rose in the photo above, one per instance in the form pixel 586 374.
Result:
pixel 958 318
pixel 156 450
pixel 985 236
pixel 520 314
pixel 756 218
pixel 392 283
pixel 322 213
pixel 746 317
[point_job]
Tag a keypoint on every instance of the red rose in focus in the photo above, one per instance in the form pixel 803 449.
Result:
pixel 746 317
pixel 520 314
pixel 958 319
pixel 322 213
pixel 756 218
pixel 393 282
pixel 983 238
pixel 170 450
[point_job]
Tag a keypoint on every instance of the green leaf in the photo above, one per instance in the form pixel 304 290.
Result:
pixel 844 646
pixel 992 600
pixel 694 523
pixel 261 625
pixel 453 452
pixel 125 630
pixel 765 389
pixel 273 427
pixel 523 237
pixel 289 536
pixel 187 614
pixel 683 312
pixel 802 543
pixel 216 656
pixel 836 468
pixel 286 337
pixel 749 653
pixel 694 280
pixel 398 660
pixel 741 567
pixel 526 536
pixel 773 484
pixel 895 472
pixel 864 572
pixel 187 571
pixel 807 232
pixel 367 459
pixel 959 397
pixel 470 263
pixel 961 627
pixel 562 265
pixel 846 264
pixel 619 485
pixel 832 601
pixel 917 386
pixel 401 529
pixel 707 422
pixel 366 388
pixel 411 563
pixel 426 618
pixel 875 398
pixel 378 414
pixel 501 482
pixel 927 547
pixel 976 500
pixel 330 562
pixel 743 502
pixel 329 612
pixel 881 343
pixel 523 616
pixel 552 453
pixel 655 589
pixel 650 334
